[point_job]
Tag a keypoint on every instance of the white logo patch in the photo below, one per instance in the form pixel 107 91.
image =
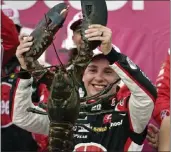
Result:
pixel 114 124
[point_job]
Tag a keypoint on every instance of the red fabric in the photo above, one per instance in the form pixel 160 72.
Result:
pixel 9 37
pixel 123 92
pixel 162 106
pixel 42 140
pixel 43 93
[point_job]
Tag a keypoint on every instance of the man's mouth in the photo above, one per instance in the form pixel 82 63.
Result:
pixel 99 87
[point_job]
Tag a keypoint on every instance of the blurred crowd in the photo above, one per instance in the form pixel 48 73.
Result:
pixel 14 138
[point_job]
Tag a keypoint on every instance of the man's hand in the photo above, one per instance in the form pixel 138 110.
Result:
pixel 101 33
pixel 25 44
pixel 153 136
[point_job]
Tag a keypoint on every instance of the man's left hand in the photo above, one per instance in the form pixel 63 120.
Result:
pixel 101 33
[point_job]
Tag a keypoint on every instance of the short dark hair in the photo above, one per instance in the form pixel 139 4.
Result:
pixel 76 25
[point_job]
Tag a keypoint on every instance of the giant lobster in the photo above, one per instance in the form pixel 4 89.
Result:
pixel 64 103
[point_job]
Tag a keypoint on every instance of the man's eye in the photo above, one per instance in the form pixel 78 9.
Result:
pixel 92 70
pixel 108 72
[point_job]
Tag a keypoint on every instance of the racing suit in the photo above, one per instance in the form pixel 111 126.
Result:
pixel 162 106
pixel 123 129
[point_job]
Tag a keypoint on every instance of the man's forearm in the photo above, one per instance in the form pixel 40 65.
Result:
pixel 22 100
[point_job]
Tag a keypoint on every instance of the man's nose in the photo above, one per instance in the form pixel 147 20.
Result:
pixel 99 77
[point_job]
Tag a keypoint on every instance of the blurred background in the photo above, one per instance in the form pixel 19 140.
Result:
pixel 141 29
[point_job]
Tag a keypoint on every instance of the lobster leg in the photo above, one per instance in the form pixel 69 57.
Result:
pixel 100 93
pixel 34 110
pixel 95 113
pixel 86 108
pixel 42 105
pixel 105 97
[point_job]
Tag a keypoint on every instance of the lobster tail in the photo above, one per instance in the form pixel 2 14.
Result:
pixel 60 137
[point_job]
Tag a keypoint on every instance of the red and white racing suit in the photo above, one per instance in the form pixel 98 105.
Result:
pixel 162 106
pixel 124 129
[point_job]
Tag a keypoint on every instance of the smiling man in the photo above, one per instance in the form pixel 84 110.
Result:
pixel 98 75
pixel 123 127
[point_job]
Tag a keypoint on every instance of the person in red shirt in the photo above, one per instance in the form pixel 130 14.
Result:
pixel 162 106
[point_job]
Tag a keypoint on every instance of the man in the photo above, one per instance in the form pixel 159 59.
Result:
pixel 124 128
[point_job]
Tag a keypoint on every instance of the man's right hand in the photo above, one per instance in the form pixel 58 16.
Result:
pixel 25 44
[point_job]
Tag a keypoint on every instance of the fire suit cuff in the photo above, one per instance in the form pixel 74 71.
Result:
pixel 112 56
pixel 23 74
pixel 24 84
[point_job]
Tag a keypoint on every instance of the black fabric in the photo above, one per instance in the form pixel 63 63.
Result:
pixel 138 138
pixel 23 74
pixel 11 65
pixel 113 56
pixel 16 139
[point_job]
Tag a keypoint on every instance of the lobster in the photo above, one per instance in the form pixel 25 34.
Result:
pixel 64 104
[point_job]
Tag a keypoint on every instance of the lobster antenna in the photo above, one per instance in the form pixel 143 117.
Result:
pixel 27 71
pixel 55 48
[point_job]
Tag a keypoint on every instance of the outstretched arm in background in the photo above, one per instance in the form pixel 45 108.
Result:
pixel 164 135
pixel 162 105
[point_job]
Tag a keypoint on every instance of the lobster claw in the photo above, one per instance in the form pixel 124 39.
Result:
pixel 94 12
pixel 61 13
pixel 44 32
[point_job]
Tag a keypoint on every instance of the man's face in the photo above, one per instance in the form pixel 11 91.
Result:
pixel 98 75
pixel 77 38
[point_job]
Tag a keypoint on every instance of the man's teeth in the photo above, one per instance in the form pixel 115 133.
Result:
pixel 99 86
